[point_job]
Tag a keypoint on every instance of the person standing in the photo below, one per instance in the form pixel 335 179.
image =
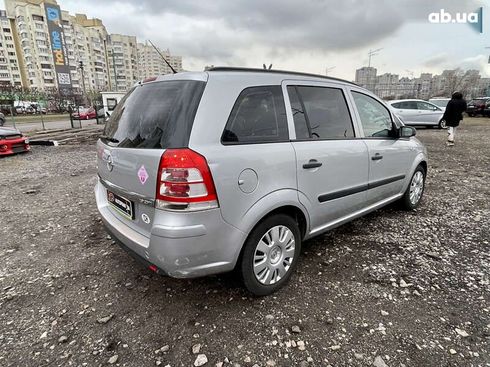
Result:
pixel 454 115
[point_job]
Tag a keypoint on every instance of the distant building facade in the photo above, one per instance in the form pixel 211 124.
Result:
pixel 150 63
pixel 33 32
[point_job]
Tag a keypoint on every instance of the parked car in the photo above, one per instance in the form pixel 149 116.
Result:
pixel 2 119
pixel 440 102
pixel 12 141
pixel 487 109
pixel 84 114
pixel 416 112
pixel 202 173
pixel 477 106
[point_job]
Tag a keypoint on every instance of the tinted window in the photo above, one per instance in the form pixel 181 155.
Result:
pixel 327 114
pixel 155 115
pixel 406 105
pixel 258 116
pixel 300 124
pixel 375 118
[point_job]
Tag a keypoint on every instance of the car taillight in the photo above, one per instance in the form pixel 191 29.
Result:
pixel 185 182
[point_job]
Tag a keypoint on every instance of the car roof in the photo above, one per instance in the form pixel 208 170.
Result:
pixel 270 75
pixel 406 100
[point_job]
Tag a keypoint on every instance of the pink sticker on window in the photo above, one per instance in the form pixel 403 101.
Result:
pixel 143 175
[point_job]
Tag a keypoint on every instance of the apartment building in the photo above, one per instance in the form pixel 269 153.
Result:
pixel 9 62
pixel 122 55
pixel 150 63
pixel 366 77
pixel 386 85
pixel 85 41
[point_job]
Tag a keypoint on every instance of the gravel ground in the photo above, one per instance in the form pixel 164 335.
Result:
pixel 390 289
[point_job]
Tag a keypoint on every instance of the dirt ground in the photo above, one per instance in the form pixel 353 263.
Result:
pixel 390 289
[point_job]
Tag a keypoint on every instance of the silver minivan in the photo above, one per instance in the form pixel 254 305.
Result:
pixel 206 172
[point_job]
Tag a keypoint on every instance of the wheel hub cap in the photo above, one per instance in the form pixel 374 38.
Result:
pixel 274 255
pixel 416 187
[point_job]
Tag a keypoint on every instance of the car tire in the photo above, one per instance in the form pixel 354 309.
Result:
pixel 2 122
pixel 442 124
pixel 415 190
pixel 270 254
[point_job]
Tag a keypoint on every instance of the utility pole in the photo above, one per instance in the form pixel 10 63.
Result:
pixel 80 66
pixel 114 67
pixel 329 69
pixel 372 53
pixel 410 72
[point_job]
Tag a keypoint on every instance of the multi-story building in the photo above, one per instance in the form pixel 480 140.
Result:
pixel 9 62
pixel 85 41
pixel 366 77
pixel 122 54
pixel 386 85
pixel 150 62
pixel 32 45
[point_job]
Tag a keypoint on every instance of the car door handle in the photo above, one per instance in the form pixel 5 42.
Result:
pixel 313 163
pixel 377 157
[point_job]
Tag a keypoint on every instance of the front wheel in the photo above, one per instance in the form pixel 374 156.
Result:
pixel 442 124
pixel 270 254
pixel 413 195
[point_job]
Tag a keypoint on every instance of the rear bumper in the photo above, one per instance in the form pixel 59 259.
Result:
pixel 181 245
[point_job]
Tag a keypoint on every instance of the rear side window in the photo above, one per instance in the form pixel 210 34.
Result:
pixel 258 116
pixel 156 115
pixel 326 112
pixel 406 105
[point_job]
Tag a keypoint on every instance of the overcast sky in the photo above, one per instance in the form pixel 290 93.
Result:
pixel 307 35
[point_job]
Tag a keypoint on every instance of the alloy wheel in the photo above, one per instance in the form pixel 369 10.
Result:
pixel 416 187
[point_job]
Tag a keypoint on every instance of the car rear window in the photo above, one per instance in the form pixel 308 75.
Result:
pixel 156 115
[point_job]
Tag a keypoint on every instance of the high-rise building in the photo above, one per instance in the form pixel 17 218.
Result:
pixel 366 77
pixel 9 62
pixel 44 47
pixel 386 85
pixel 122 54
pixel 150 63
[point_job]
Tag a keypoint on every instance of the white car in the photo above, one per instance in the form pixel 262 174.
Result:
pixel 417 112
pixel 440 102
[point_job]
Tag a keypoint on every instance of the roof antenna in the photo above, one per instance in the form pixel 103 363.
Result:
pixel 267 68
pixel 166 62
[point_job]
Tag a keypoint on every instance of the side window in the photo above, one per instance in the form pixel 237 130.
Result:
pixel 375 118
pixel 407 105
pixel 300 124
pixel 424 106
pixel 397 105
pixel 258 116
pixel 327 115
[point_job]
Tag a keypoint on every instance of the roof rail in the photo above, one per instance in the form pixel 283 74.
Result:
pixel 257 70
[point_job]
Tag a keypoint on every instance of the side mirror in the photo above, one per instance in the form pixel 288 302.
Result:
pixel 407 132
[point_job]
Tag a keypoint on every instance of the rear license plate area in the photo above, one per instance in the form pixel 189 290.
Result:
pixel 122 205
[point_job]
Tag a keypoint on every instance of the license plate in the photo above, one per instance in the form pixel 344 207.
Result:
pixel 121 204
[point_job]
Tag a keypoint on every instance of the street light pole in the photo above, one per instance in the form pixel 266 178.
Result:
pixel 80 65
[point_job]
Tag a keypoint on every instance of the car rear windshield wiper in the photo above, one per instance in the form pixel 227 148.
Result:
pixel 108 138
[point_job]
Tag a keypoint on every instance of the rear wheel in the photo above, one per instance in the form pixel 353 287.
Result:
pixel 270 254
pixel 2 121
pixel 413 195
pixel 442 124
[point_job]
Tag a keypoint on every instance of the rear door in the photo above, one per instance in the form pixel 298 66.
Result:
pixel 332 166
pixel 390 158
pixel 408 111
pixel 151 118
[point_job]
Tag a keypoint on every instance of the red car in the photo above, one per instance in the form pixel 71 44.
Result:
pixel 12 141
pixel 85 114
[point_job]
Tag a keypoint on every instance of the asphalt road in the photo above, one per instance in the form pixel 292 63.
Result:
pixel 393 288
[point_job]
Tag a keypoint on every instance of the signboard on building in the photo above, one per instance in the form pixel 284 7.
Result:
pixel 58 47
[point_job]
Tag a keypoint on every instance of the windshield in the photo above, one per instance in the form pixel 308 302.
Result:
pixel 156 115
pixel 439 102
